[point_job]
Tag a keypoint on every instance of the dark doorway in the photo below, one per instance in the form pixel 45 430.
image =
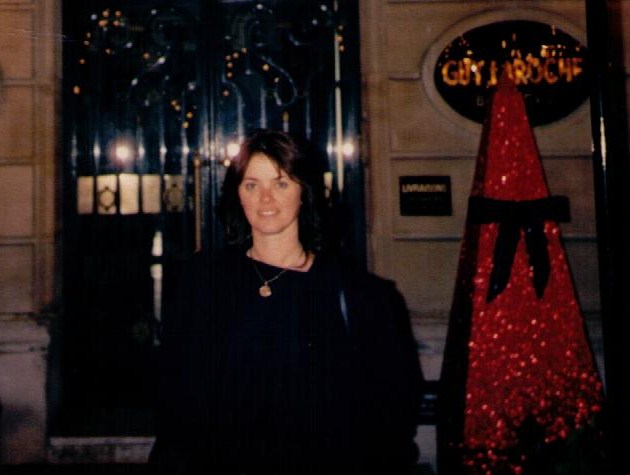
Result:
pixel 157 96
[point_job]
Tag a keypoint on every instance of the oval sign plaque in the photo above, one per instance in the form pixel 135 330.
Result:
pixel 547 65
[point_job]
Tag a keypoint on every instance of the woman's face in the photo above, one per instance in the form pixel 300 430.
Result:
pixel 270 198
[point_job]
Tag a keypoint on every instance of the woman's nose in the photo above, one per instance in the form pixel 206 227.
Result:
pixel 265 194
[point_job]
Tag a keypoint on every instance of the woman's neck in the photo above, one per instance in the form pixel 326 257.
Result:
pixel 280 253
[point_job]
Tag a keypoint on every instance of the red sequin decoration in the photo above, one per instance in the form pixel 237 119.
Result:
pixel 528 358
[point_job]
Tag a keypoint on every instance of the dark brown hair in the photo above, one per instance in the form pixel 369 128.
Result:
pixel 285 152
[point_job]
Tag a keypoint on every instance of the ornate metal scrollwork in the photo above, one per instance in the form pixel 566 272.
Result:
pixel 272 60
pixel 138 77
pixel 109 34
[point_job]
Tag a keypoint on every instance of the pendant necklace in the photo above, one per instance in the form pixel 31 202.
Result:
pixel 264 290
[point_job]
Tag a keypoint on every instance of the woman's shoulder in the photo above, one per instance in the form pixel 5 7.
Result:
pixel 355 276
pixel 229 256
pixel 205 259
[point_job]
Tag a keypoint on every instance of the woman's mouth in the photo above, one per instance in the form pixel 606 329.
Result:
pixel 267 213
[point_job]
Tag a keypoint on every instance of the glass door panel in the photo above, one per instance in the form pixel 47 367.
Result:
pixel 157 97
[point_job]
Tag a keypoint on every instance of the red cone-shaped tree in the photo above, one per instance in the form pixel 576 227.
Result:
pixel 519 383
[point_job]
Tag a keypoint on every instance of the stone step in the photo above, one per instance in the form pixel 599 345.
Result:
pixel 99 450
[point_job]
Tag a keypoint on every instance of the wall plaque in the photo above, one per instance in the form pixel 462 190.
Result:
pixel 425 195
pixel 548 66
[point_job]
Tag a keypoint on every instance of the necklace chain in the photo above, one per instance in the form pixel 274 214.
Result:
pixel 264 290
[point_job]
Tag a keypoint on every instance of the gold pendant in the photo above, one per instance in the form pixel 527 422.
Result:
pixel 264 290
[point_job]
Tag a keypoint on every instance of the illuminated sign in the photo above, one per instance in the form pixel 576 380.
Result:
pixel 548 66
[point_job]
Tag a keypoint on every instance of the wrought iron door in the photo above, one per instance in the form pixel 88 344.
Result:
pixel 157 97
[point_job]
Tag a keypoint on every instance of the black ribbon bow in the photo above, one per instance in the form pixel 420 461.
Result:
pixel 512 216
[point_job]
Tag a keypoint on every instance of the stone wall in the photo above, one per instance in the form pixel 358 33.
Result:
pixel 29 220
pixel 409 130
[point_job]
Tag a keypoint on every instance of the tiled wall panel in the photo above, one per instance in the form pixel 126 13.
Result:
pixel 23 394
pixel 16 38
pixel 416 126
pixel 16 123
pixel 582 257
pixel 16 201
pixel 16 278
pixel 574 178
pixel 425 274
pixel 423 126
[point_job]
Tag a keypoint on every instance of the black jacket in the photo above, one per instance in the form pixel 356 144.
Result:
pixel 349 404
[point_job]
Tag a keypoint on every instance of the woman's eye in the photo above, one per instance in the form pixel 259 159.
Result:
pixel 249 186
pixel 282 184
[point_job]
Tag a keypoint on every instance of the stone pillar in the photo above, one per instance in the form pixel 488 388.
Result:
pixel 23 350
pixel 30 60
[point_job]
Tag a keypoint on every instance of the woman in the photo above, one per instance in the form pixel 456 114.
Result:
pixel 282 360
